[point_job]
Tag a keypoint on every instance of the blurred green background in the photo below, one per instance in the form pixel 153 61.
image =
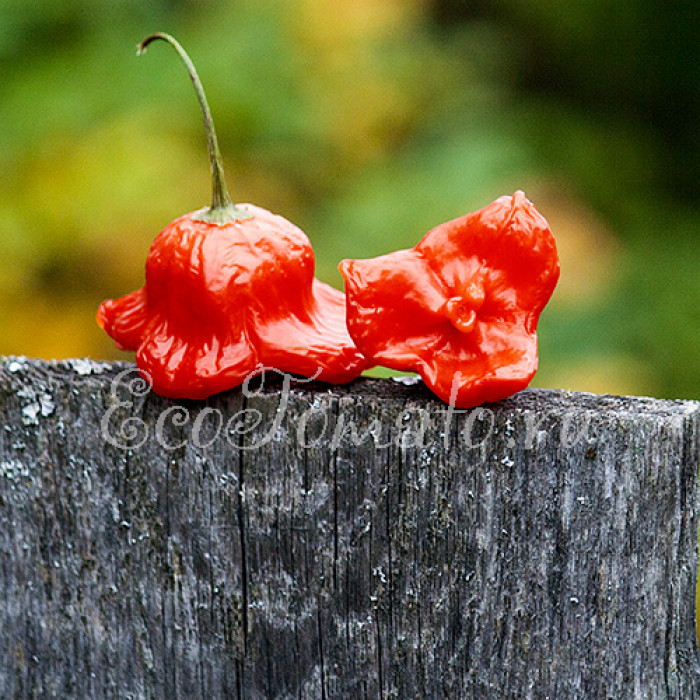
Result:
pixel 366 123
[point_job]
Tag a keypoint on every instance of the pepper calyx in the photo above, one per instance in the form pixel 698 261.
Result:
pixel 220 216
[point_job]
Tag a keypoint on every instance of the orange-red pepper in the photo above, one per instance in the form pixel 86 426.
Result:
pixel 230 289
pixel 462 307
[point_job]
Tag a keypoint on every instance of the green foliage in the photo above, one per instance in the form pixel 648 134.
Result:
pixel 366 124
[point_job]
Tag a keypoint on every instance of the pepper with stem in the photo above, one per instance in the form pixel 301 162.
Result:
pixel 230 291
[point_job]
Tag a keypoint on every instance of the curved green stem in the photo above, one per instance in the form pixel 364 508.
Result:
pixel 222 210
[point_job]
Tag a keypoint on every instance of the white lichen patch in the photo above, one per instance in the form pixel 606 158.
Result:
pixel 14 470
pixel 30 414
pixel 408 380
pixel 85 367
pixel 16 366
pixel 39 405
pixel 47 405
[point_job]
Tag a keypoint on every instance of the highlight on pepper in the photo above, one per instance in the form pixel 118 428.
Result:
pixel 230 288
pixel 460 308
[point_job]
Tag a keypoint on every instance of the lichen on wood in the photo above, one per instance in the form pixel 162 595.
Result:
pixel 315 541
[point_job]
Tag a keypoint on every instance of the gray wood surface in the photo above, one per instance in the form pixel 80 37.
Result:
pixel 542 548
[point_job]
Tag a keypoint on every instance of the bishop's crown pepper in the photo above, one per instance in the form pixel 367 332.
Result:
pixel 462 307
pixel 230 289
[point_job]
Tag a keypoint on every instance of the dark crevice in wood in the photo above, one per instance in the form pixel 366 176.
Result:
pixel 321 661
pixel 334 467
pixel 242 535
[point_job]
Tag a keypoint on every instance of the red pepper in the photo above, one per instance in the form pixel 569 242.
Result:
pixel 461 308
pixel 230 289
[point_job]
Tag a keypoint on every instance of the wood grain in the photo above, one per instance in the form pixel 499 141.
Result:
pixel 342 542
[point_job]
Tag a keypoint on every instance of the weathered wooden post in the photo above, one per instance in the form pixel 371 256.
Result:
pixel 328 542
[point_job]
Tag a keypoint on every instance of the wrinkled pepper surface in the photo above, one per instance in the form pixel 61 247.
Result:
pixel 460 308
pixel 230 289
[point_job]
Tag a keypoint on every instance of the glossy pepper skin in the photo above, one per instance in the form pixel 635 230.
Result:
pixel 462 307
pixel 220 300
pixel 229 290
